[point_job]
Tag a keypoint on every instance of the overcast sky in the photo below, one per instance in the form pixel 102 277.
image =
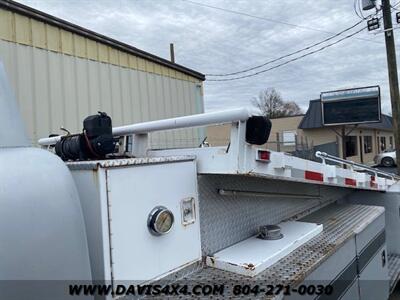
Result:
pixel 209 40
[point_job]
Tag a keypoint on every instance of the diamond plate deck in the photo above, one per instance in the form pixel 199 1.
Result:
pixel 340 224
pixel 123 162
pixel 226 220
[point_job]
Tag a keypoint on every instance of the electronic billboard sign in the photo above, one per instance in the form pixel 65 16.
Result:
pixel 351 106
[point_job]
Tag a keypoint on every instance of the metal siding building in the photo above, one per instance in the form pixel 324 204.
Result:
pixel 62 72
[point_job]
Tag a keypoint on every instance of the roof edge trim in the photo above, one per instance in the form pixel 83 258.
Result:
pixel 52 20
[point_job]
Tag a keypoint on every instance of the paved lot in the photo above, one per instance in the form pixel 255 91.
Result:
pixel 388 169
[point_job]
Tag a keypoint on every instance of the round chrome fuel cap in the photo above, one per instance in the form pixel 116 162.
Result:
pixel 160 221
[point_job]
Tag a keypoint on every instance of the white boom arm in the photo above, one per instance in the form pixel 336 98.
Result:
pixel 220 117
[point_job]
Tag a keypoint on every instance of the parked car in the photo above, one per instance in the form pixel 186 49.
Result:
pixel 387 158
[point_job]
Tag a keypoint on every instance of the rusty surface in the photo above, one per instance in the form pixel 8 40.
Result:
pixel 122 162
pixel 249 266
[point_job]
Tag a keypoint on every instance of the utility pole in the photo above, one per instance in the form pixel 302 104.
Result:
pixel 393 77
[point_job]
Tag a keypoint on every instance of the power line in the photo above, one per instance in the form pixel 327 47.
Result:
pixel 395 5
pixel 355 9
pixel 357 6
pixel 360 9
pixel 253 16
pixel 291 60
pixel 267 19
pixel 290 54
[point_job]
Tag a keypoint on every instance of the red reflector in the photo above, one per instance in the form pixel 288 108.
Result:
pixel 313 176
pixel 350 181
pixel 372 183
pixel 264 155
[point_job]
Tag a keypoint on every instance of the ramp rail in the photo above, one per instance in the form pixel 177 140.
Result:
pixel 327 157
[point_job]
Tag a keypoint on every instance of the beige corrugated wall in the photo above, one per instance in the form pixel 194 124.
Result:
pixel 60 86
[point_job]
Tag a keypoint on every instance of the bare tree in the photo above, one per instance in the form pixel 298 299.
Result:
pixel 271 104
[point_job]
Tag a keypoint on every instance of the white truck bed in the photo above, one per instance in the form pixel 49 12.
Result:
pixel 299 266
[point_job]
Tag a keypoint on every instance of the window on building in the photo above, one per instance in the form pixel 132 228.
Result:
pixel 367 144
pixel 289 138
pixel 351 146
pixel 382 144
pixel 391 144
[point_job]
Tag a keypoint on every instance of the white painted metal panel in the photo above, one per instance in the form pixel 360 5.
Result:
pixel 391 202
pixel 135 96
pixel 153 107
pixel 253 255
pixel 192 104
pixel 8 57
pixel 364 235
pixel 242 159
pixel 115 94
pixel 55 90
pixel 56 82
pixel 12 132
pixel 136 253
pixel 127 108
pixel 144 108
pixel 352 292
pixel 41 221
pixel 23 77
pixel 183 137
pixel 374 279
pixel 332 270
pixel 41 117
pixel 167 86
pixel 160 106
pixel 83 98
pixel 74 106
pixel 105 89
pixel 334 265
pixel 92 190
pixel 94 89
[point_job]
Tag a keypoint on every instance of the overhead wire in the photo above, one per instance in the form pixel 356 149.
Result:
pixel 356 6
pixel 289 54
pixel 264 18
pixel 291 60
pixel 395 5
pixel 281 57
pixel 360 9
pixel 254 16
